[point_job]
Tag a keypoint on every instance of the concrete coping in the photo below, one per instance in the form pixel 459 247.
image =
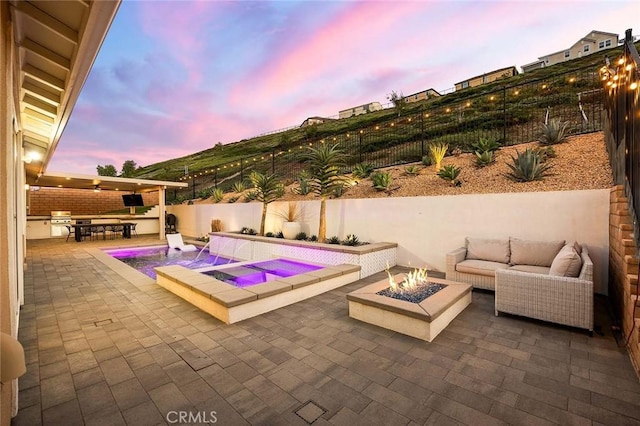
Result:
pixel 429 309
pixel 229 295
pixel 364 249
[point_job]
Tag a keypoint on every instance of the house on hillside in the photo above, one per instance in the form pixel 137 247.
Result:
pixel 362 109
pixel 315 120
pixel 593 42
pixel 487 77
pixel 421 96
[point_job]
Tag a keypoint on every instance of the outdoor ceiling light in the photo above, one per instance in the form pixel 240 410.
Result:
pixel 96 188
pixel 32 156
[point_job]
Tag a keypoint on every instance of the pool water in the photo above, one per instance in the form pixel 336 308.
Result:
pixel 260 272
pixel 144 259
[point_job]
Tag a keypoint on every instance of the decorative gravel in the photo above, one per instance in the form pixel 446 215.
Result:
pixel 416 296
pixel 582 163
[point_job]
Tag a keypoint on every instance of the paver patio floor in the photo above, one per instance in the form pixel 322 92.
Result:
pixel 102 350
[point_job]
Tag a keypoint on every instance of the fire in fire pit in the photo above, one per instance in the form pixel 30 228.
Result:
pixel 414 288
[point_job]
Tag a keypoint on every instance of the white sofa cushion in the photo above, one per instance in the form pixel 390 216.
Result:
pixel 488 249
pixel 531 269
pixel 567 263
pixel 535 253
pixel 480 267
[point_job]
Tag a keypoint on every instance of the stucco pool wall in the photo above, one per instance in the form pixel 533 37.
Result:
pixel 231 304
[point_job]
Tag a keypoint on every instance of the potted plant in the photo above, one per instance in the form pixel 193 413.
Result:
pixel 291 225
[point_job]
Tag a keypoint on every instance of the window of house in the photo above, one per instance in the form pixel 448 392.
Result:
pixel 586 48
pixel 607 43
pixel 567 53
pixel 465 84
pixel 601 45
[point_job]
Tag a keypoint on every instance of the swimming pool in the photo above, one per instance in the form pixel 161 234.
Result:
pixel 144 259
pixel 254 273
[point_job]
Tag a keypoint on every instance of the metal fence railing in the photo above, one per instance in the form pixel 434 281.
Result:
pixel 509 114
pixel 621 78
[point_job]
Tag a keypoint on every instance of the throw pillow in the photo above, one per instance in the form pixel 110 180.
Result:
pixel 567 263
pixel 488 249
pixel 536 253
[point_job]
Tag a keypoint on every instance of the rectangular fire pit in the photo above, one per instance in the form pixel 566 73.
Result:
pixel 424 320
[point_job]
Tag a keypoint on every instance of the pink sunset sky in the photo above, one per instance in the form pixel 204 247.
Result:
pixel 176 77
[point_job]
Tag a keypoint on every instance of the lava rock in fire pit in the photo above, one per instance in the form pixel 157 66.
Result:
pixel 414 296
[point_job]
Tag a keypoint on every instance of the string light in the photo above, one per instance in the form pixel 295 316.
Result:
pixel 633 86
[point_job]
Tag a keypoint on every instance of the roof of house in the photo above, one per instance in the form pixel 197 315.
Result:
pixel 491 72
pixel 582 39
pixel 428 91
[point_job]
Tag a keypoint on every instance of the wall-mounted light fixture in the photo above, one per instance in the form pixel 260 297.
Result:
pixel 96 188
pixel 12 363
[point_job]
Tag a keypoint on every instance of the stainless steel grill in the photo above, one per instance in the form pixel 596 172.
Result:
pixel 59 222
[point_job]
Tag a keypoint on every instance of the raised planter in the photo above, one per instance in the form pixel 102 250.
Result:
pixel 424 320
pixel 371 258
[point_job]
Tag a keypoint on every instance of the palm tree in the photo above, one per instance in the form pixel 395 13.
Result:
pixel 324 164
pixel 267 190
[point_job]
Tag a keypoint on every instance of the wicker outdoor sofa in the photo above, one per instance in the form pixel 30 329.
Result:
pixel 549 281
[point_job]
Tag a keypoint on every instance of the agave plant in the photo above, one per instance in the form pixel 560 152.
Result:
pixel 250 196
pixel 362 170
pixel 333 240
pixel 545 153
pixel 438 151
pixel 484 158
pixel 485 144
pixel 238 186
pixel 217 194
pixel 412 170
pixel 381 180
pixel 303 184
pixel 553 132
pixel 527 166
pixel 351 240
pixel 449 173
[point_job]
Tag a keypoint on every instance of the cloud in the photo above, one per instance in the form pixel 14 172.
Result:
pixel 180 76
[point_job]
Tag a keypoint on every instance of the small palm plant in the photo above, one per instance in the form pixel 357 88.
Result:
pixel 553 132
pixel 449 173
pixel 267 189
pixel 381 181
pixel 324 164
pixel 528 166
pixel 438 151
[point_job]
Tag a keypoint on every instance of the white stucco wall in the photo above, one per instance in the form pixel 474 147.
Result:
pixel 426 228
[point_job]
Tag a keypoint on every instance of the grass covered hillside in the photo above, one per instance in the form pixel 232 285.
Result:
pixel 510 111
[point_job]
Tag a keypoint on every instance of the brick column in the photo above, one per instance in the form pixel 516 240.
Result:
pixel 623 271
